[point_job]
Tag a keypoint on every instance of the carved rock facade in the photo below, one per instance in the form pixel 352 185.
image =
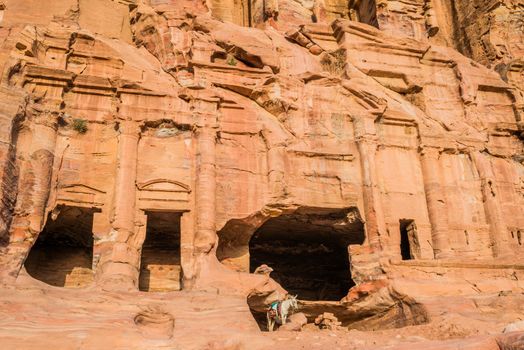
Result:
pixel 178 145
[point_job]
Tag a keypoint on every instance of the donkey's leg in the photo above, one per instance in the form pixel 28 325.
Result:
pixel 270 324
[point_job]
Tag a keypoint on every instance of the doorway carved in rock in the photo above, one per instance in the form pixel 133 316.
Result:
pixel 409 244
pixel 160 268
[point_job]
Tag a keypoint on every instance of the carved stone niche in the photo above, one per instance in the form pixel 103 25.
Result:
pixel 163 194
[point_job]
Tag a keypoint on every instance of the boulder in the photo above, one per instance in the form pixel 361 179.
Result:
pixel 295 322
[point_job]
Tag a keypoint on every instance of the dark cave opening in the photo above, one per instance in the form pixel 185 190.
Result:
pixel 308 251
pixel 62 256
pixel 160 269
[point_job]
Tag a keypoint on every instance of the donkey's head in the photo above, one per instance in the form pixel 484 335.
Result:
pixel 293 302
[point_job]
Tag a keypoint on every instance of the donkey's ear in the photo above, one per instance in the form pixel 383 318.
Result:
pixel 296 296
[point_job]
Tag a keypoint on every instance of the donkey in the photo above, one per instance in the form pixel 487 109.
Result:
pixel 279 311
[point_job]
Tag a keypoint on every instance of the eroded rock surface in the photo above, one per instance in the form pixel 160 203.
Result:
pixel 198 160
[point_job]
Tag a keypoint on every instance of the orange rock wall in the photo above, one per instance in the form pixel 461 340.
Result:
pixel 185 113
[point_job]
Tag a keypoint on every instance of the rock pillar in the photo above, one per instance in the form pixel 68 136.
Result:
pixel 373 212
pixel 204 215
pixel 119 262
pixel 124 206
pixel 498 228
pixel 37 159
pixel 436 202
pixel 205 191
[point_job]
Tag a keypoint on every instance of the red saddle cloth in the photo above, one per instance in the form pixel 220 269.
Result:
pixel 272 313
pixel 275 310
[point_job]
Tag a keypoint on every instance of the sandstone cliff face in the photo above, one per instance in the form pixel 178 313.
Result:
pixel 369 152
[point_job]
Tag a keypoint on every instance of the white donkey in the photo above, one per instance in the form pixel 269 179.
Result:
pixel 279 311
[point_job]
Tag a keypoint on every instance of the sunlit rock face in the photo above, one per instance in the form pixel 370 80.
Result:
pixel 169 168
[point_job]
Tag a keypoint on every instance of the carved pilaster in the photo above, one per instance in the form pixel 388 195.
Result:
pixel 366 139
pixel 124 204
pixel 205 191
pixel 435 199
pixel 498 228
pixel 116 271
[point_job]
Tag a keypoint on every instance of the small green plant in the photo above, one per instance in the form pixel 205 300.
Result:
pixel 79 125
pixel 231 61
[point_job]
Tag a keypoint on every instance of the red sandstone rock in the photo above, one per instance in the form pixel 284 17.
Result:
pixel 367 154
pixel 327 321
pixel 295 322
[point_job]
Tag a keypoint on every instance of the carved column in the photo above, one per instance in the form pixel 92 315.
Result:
pixel 34 188
pixel 205 191
pixel 124 207
pixel 498 228
pixel 437 210
pixel 367 146
pixel 119 262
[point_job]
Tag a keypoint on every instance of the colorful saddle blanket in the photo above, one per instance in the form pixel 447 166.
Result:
pixel 275 311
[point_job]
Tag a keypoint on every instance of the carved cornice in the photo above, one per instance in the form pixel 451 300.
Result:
pixel 177 186
pixel 89 189
pixel 50 75
pixel 379 40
